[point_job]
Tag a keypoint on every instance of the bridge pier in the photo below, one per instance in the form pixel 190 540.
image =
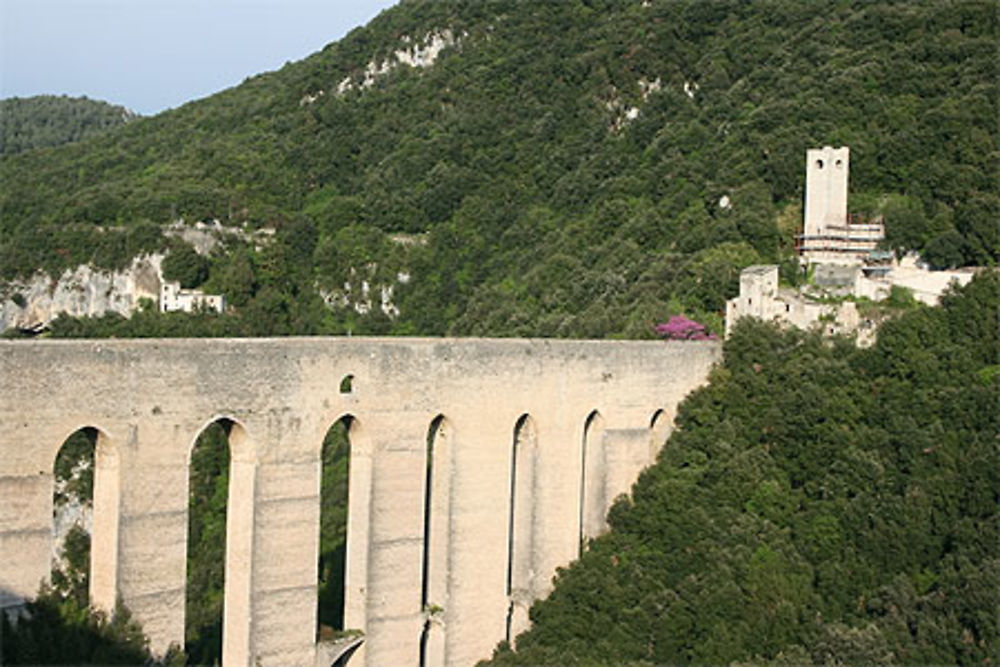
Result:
pixel 359 505
pixel 393 618
pixel 476 611
pixel 25 534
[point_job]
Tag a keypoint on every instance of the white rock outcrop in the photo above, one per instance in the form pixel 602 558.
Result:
pixel 416 54
pixel 32 304
pixel 364 293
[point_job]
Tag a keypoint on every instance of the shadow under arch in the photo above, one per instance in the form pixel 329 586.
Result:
pixel 593 479
pixel 222 464
pixel 437 513
pixel 350 606
pixel 522 526
pixel 87 469
pixel 661 425
pixel 338 494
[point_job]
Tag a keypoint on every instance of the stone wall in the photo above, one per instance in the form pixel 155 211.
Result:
pixel 150 399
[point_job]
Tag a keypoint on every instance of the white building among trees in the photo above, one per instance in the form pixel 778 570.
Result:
pixel 173 298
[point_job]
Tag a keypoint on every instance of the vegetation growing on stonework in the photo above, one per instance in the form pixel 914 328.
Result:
pixel 679 327
pixel 817 504
pixel 571 169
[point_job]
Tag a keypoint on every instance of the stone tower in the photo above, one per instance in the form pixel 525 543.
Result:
pixel 826 190
pixel 829 234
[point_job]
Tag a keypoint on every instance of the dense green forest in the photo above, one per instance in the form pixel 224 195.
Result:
pixel 817 504
pixel 43 121
pixel 559 169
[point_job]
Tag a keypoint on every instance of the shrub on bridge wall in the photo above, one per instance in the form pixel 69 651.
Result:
pixel 679 327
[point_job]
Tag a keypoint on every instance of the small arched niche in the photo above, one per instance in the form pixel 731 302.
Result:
pixel 347 384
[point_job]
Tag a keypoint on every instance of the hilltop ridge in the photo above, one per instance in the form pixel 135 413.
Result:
pixel 44 121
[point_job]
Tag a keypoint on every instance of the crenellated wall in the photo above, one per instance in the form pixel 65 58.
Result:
pixel 452 599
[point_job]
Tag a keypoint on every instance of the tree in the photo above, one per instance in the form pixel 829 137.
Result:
pixel 946 250
pixel 186 266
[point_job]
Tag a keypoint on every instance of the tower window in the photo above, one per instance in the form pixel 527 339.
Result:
pixel 819 164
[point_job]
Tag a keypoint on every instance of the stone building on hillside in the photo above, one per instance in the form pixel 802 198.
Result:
pixel 830 300
pixel 761 297
pixel 829 233
pixel 844 261
pixel 173 299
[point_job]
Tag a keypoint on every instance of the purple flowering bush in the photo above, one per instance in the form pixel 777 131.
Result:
pixel 679 327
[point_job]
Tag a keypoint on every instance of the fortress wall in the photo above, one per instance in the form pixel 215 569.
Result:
pixel 151 399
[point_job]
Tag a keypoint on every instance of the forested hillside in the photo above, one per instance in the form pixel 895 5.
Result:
pixel 588 168
pixel 558 168
pixel 817 504
pixel 44 121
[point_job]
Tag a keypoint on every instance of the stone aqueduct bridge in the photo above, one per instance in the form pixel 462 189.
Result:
pixel 476 465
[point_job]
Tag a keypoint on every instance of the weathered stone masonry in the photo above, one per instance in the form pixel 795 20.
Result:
pixel 586 417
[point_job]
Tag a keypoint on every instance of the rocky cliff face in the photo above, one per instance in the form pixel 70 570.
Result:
pixel 32 304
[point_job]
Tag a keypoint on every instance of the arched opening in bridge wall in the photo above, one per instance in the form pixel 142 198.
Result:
pixel 660 428
pixel 437 506
pixel 593 487
pixel 335 469
pixel 521 532
pixel 85 513
pixel 220 539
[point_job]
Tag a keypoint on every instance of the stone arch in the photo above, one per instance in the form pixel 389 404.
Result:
pixel 435 565
pixel 661 425
pixel 522 544
pixel 95 470
pixel 336 493
pixel 239 513
pixel 593 485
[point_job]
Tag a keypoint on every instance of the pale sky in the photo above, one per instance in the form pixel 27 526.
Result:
pixel 151 55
